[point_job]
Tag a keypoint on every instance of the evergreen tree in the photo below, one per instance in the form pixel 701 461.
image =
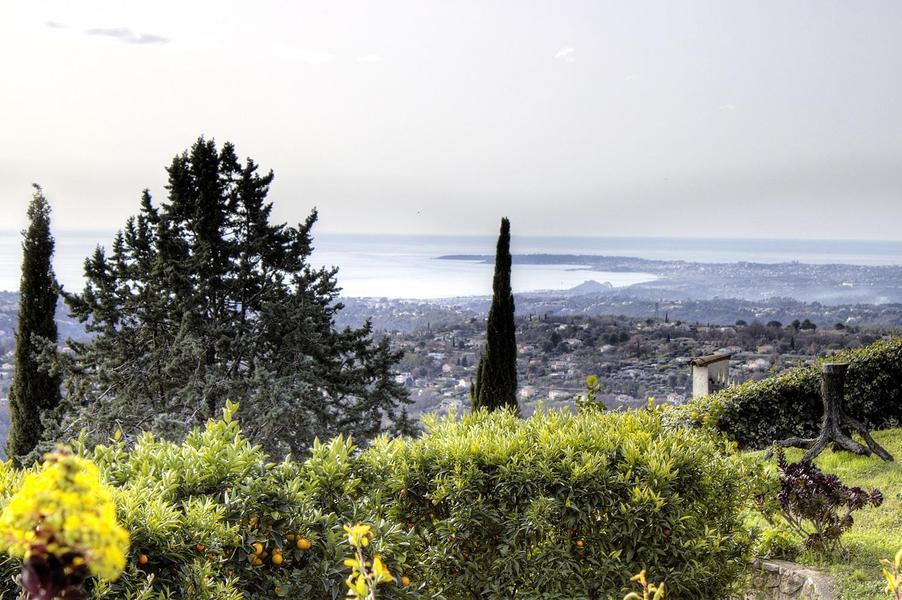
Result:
pixel 34 390
pixel 201 299
pixel 496 374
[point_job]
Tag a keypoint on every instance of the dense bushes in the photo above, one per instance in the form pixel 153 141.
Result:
pixel 556 506
pixel 565 507
pixel 756 413
pixel 198 512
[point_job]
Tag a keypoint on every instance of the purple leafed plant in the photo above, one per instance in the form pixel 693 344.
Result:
pixel 818 506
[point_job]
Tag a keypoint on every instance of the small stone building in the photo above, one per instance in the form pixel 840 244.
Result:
pixel 710 374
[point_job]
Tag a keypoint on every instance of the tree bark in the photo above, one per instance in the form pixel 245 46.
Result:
pixel 836 422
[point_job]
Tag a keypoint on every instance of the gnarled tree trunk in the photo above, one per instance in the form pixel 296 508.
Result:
pixel 836 422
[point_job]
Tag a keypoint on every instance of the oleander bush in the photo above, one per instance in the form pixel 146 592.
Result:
pixel 756 413
pixel 487 505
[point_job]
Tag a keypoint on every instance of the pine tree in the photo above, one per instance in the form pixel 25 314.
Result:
pixel 34 390
pixel 201 299
pixel 496 375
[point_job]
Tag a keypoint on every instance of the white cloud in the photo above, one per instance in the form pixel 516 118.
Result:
pixel 310 57
pixel 127 36
pixel 566 54
pixel 370 58
pixel 727 107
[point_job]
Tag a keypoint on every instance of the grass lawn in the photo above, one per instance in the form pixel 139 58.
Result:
pixel 877 532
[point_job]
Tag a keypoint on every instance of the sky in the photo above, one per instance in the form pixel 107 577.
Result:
pixel 711 118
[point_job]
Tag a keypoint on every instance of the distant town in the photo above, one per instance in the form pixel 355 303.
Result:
pixel 634 359
pixel 638 340
pixel 683 280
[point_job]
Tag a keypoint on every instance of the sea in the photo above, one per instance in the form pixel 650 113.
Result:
pixel 408 267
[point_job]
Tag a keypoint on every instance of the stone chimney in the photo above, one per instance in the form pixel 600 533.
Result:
pixel 710 374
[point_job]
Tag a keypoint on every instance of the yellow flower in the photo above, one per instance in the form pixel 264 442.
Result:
pixel 65 508
pixel 358 535
pixel 380 570
pixel 357 585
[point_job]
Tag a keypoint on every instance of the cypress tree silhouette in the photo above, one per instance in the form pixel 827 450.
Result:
pixel 33 389
pixel 496 375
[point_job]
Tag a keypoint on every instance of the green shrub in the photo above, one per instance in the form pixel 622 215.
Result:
pixel 758 412
pixel 778 542
pixel 197 511
pixel 556 506
pixel 564 506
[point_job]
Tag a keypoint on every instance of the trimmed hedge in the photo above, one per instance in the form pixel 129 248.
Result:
pixel 755 414
pixel 555 506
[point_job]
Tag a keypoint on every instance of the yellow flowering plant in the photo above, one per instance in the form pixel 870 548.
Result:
pixel 650 591
pixel 62 524
pixel 893 574
pixel 365 576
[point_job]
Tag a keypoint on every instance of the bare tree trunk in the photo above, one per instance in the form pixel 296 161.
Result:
pixel 835 421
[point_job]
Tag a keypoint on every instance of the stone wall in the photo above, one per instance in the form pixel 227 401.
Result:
pixel 782 580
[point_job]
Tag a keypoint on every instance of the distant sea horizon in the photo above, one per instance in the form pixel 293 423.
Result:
pixel 407 266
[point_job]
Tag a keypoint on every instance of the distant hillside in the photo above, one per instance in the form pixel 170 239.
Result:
pixel 9 318
pixel 592 287
pixel 828 284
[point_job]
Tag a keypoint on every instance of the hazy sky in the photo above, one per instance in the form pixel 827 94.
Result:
pixel 718 118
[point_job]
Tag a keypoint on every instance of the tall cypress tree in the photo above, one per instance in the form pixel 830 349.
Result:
pixel 496 375
pixel 33 389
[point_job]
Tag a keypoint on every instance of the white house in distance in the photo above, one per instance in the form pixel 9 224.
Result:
pixel 710 373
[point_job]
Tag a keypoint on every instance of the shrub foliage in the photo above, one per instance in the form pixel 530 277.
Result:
pixel 789 405
pixel 564 506
pixel 556 506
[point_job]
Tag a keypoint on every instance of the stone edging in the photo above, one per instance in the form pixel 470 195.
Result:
pixel 783 580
